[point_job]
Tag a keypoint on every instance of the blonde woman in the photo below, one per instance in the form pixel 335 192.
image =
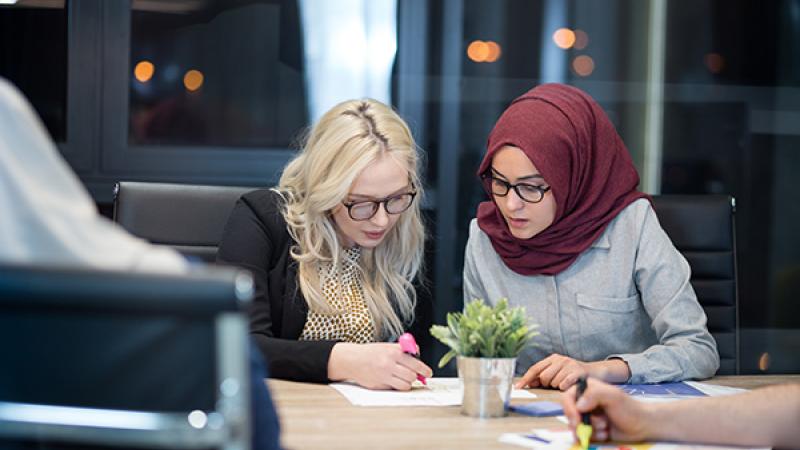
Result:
pixel 334 250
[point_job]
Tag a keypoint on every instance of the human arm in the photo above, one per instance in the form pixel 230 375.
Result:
pixel 685 348
pixel 561 372
pixel 253 236
pixel 763 417
pixel 375 366
pixel 660 288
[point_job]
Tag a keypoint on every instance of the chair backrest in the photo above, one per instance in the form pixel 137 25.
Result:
pixel 97 358
pixel 702 227
pixel 189 218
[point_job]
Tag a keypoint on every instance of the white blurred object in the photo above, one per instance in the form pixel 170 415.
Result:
pixel 714 390
pixel 350 47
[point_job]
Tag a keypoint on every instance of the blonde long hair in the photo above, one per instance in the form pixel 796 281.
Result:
pixel 347 139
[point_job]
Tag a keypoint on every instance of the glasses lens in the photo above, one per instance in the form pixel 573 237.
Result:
pixel 498 186
pixel 398 204
pixel 529 192
pixel 363 210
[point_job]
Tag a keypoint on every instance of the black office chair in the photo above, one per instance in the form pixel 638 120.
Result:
pixel 115 359
pixel 702 227
pixel 189 218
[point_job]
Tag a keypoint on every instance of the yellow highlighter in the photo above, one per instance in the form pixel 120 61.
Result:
pixel 584 429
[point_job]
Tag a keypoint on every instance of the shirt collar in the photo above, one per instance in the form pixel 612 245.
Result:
pixel 352 254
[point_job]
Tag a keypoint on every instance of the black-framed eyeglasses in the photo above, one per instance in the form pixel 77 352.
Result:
pixel 365 210
pixel 530 193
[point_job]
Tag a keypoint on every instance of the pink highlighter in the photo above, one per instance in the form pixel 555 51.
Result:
pixel 409 345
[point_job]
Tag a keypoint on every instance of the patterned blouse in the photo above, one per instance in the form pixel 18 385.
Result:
pixel 343 291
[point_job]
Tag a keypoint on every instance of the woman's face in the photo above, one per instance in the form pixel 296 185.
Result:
pixel 525 219
pixel 380 180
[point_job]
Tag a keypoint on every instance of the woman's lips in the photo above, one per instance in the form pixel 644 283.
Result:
pixel 517 223
pixel 375 234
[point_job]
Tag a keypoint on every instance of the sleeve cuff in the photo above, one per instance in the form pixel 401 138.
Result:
pixel 635 365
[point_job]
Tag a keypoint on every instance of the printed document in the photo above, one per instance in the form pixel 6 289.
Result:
pixel 438 392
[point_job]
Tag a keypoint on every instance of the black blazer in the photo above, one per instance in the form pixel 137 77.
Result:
pixel 256 239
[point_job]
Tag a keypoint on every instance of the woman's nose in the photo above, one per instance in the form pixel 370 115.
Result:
pixel 381 217
pixel 513 202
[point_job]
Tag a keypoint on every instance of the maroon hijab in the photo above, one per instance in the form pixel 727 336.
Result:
pixel 572 143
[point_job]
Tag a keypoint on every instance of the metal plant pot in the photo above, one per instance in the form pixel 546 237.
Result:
pixel 487 385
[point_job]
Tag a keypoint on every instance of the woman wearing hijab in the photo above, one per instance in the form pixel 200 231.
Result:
pixel 567 235
pixel 49 219
pixel 334 249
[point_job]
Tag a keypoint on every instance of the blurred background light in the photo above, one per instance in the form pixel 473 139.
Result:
pixel 494 51
pixel 564 38
pixel 763 362
pixel 193 80
pixel 714 62
pixel 197 419
pixel 581 39
pixel 144 71
pixel 478 51
pixel 583 65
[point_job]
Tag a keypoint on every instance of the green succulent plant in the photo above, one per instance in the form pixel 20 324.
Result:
pixel 485 332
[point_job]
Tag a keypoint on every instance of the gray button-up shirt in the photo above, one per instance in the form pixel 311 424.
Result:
pixel 628 296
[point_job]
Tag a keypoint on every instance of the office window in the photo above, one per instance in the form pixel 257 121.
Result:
pixel 33 56
pixel 216 73
pixel 252 73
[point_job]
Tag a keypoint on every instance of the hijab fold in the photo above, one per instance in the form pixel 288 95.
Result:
pixel 577 150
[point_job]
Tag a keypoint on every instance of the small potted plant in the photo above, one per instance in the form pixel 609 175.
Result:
pixel 486 341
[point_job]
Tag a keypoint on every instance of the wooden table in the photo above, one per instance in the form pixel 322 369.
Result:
pixel 315 416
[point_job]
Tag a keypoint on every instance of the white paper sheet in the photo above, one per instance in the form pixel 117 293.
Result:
pixel 714 390
pixel 543 439
pixel 438 392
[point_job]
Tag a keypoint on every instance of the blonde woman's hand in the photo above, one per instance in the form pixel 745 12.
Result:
pixel 375 366
pixel 561 372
